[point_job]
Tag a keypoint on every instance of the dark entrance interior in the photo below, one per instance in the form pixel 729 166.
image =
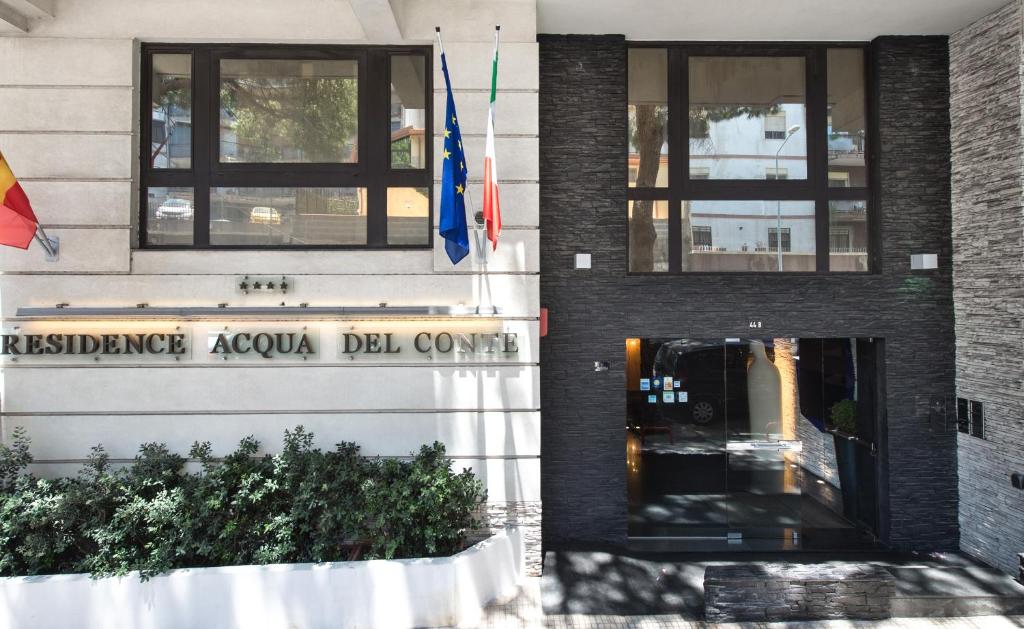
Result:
pixel 760 443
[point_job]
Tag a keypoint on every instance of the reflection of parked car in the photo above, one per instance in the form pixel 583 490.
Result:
pixel 265 216
pixel 707 372
pixel 175 209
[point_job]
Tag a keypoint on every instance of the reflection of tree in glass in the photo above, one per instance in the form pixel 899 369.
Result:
pixel 647 134
pixel 174 93
pixel 401 153
pixel 291 119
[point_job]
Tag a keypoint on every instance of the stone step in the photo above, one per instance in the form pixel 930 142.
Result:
pixel 938 592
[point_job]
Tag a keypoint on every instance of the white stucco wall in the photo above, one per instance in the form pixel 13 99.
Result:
pixel 69 128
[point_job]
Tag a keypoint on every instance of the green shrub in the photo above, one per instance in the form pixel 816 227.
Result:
pixel 844 416
pixel 302 505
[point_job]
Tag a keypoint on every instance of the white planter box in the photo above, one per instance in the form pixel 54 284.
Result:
pixel 378 593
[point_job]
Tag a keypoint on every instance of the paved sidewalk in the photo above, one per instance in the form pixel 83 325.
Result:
pixel 526 611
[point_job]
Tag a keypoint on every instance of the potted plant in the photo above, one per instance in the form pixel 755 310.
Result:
pixel 843 426
pixel 843 417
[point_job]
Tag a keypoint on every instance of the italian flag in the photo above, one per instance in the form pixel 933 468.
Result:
pixel 492 208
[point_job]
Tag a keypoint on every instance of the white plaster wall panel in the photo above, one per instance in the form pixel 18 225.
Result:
pixel 469 65
pixel 518 251
pixel 69 155
pixel 492 434
pixel 66 109
pixel 515 295
pixel 71 61
pixel 81 202
pixel 506 480
pixel 520 201
pixel 86 250
pixel 515 113
pixel 202 20
pixel 518 19
pixel 519 159
pixel 282 262
pixel 273 388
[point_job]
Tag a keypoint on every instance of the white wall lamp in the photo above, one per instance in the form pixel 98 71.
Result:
pixel 924 261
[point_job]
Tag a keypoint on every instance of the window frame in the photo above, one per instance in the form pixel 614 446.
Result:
pixel 371 171
pixel 815 188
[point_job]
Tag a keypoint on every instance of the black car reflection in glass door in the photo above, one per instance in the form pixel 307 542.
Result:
pixel 711 377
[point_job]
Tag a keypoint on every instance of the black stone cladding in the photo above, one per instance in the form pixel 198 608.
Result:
pixel 592 312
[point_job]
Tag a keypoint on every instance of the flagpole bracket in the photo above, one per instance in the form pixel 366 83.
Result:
pixel 53 255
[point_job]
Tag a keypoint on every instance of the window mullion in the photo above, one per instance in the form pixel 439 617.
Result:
pixel 817 154
pixel 374 156
pixel 678 153
pixel 204 111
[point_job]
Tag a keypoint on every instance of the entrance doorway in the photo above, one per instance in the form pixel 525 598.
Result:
pixel 769 442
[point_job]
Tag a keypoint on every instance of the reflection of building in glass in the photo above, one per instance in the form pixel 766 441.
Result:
pixel 171 137
pixel 747 125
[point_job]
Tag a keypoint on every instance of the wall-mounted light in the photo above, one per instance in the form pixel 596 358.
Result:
pixel 582 261
pixel 924 261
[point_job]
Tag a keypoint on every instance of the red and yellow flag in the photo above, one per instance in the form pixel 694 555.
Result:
pixel 18 222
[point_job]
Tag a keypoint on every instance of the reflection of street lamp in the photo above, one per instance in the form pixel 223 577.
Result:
pixel 778 204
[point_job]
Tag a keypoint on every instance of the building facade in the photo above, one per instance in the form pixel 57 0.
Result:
pixel 756 284
pixel 76 125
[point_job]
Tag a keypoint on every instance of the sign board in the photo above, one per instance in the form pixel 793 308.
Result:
pixel 85 343
pixel 260 344
pixel 434 341
pixel 442 341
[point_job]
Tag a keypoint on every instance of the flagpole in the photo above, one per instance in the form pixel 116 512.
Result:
pixel 44 240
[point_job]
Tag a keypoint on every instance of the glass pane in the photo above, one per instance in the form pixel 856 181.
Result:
pixel 169 216
pixel 676 417
pixel 848 235
pixel 847 122
pixel 744 235
pixel 408 111
pixel 648 117
pixel 747 117
pixel 764 438
pixel 288 111
pixel 648 236
pixel 288 216
pixel 408 216
pixel 171 136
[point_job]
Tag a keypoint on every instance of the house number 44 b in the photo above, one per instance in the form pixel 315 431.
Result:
pixel 754 325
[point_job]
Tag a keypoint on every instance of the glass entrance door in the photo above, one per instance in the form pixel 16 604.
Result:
pixel 762 445
pixel 745 439
pixel 677 457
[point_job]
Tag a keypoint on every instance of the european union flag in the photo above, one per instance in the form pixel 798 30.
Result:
pixel 452 224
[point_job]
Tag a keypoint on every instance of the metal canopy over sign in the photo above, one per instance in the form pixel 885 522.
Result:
pixel 255 312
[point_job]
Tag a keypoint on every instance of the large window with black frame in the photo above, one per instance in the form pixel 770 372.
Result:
pixel 748 158
pixel 285 147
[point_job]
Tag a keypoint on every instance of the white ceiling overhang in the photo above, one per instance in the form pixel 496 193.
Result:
pixel 18 15
pixel 759 20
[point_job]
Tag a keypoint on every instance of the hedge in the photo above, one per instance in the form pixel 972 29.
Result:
pixel 302 505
